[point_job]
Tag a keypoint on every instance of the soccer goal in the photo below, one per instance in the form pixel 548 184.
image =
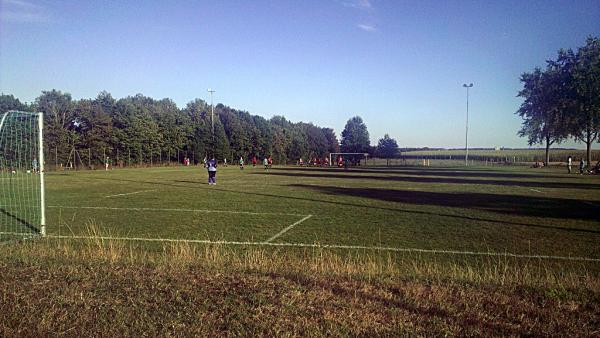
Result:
pixel 22 210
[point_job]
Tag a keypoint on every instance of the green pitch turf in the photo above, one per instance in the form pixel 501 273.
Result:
pixel 503 209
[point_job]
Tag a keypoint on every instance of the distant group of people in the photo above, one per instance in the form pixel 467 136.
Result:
pixel 314 162
pixel 582 167
pixel 267 162
pixel 340 161
pixel 212 164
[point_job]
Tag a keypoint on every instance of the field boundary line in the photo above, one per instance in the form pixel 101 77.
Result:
pixel 541 192
pixel 288 228
pixel 23 235
pixel 179 210
pixel 331 246
pixel 129 193
pixel 19 233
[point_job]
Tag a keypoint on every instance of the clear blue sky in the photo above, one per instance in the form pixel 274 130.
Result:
pixel 398 64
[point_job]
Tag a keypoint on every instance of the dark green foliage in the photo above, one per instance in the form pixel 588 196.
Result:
pixel 355 137
pixel 563 100
pixel 140 130
pixel 9 102
pixel 387 147
pixel 584 68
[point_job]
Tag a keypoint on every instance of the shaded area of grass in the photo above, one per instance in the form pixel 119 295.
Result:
pixel 508 204
pixel 462 179
pixel 109 288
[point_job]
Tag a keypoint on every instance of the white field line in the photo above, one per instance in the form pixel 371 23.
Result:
pixel 179 210
pixel 541 192
pixel 129 193
pixel 19 233
pixel 287 229
pixel 589 203
pixel 331 246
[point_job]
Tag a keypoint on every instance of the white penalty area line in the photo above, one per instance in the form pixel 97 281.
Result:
pixel 331 246
pixel 287 229
pixel 541 192
pixel 179 210
pixel 129 193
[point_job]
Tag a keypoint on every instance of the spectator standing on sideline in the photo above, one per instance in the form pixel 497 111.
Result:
pixel 581 167
pixel 34 165
pixel 212 171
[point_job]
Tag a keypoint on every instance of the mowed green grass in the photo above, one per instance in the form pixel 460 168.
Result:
pixel 501 209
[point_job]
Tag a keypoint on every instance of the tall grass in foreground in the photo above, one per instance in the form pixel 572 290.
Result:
pixel 366 264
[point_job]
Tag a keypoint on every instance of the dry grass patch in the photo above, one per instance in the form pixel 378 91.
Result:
pixel 112 289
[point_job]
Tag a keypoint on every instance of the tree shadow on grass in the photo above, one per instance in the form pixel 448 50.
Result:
pixel 446 180
pixel 451 172
pixel 19 220
pixel 530 206
pixel 205 187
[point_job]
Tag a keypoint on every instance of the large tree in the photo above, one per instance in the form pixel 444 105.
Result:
pixel 355 137
pixel 59 119
pixel 387 148
pixel 585 71
pixel 544 108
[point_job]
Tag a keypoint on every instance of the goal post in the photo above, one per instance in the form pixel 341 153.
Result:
pixel 22 191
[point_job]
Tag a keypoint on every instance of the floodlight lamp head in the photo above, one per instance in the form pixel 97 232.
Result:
pixel 469 86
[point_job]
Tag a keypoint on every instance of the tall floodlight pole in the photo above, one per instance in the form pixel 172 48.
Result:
pixel 212 117
pixel 467 127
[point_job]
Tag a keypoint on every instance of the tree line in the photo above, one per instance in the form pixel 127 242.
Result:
pixel 140 130
pixel 562 101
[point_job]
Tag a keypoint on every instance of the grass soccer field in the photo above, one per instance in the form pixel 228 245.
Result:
pixel 513 210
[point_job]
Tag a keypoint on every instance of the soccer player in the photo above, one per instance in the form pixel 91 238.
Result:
pixel 241 163
pixel 212 171
pixel 266 163
pixel 270 162
pixel 225 162
pixel 254 161
pixel 106 163
pixel 569 163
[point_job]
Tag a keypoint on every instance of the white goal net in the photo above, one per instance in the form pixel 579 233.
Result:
pixel 22 212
